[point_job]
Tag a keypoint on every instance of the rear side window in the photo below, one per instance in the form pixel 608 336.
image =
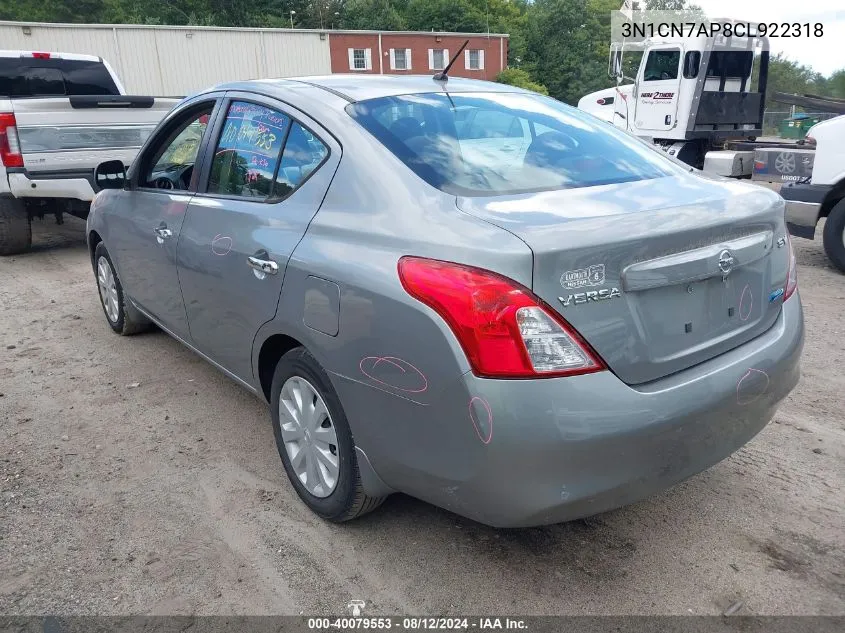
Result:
pixel 22 77
pixel 730 63
pixel 529 143
pixel 247 153
pixel 262 154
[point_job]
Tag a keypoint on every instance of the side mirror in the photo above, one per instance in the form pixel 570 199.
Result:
pixel 110 175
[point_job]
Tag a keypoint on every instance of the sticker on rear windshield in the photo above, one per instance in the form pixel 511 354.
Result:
pixel 583 277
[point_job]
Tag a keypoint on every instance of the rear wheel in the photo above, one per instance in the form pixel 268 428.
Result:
pixel 111 295
pixel 15 227
pixel 314 440
pixel 834 235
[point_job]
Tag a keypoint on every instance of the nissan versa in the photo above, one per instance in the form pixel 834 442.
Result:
pixel 455 289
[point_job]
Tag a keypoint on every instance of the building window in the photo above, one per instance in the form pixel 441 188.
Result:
pixel 438 58
pixel 474 59
pixel 360 59
pixel 400 59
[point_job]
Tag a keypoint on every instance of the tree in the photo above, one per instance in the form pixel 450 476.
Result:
pixel 445 15
pixel 836 84
pixel 521 79
pixel 371 14
pixel 788 76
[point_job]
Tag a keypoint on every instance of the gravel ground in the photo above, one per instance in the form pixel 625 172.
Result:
pixel 135 478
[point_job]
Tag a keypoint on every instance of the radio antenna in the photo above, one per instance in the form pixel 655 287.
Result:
pixel 443 75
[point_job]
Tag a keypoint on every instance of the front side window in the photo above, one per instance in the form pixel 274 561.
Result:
pixel 247 152
pixel 172 162
pixel 561 147
pixel 662 65
pixel 437 58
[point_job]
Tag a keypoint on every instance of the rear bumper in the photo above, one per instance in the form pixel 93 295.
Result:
pixel 803 204
pixel 532 452
pixel 75 184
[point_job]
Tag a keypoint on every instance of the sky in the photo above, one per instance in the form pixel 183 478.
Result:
pixel 825 54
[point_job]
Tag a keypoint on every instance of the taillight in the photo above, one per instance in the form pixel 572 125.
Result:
pixel 10 147
pixel 505 331
pixel 41 55
pixel 792 274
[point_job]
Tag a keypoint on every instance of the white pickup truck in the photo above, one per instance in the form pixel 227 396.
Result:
pixel 824 195
pixel 61 115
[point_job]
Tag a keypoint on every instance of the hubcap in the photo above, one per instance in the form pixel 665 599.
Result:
pixel 309 436
pixel 108 288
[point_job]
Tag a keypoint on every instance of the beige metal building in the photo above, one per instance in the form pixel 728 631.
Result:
pixel 178 60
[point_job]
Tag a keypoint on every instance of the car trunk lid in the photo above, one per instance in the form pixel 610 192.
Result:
pixel 657 275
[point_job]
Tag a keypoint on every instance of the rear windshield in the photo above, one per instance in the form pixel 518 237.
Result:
pixel 480 144
pixel 31 77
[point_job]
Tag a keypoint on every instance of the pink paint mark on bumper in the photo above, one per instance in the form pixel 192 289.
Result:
pixel 482 418
pixel 751 386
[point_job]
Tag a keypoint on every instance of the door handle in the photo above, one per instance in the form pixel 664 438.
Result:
pixel 262 264
pixel 162 233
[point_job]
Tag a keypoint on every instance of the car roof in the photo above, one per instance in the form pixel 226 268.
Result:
pixel 351 87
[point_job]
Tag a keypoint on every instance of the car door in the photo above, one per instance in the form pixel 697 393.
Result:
pixel 659 84
pixel 262 182
pixel 145 229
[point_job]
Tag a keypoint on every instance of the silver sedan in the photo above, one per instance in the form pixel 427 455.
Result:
pixel 455 289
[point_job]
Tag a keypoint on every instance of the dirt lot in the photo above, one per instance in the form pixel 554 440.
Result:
pixel 135 478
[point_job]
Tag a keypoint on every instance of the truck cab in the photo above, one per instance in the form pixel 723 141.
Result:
pixel 688 94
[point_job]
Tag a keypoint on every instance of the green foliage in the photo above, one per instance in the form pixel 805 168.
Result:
pixel 558 46
pixel 521 79
pixel 791 77
pixel 372 14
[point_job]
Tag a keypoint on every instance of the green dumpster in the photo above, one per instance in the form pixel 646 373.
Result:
pixel 797 126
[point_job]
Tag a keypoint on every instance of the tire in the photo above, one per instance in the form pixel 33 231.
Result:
pixel 834 235
pixel 120 319
pixel 346 499
pixel 15 227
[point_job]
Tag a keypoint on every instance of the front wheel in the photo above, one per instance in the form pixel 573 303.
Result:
pixel 834 235
pixel 314 440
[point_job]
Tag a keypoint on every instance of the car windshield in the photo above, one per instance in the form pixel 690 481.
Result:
pixel 480 144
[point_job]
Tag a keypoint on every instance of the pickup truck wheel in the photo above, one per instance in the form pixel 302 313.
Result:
pixel 314 439
pixel 111 295
pixel 834 235
pixel 15 228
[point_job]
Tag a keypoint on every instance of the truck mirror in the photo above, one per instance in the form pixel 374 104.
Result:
pixel 110 175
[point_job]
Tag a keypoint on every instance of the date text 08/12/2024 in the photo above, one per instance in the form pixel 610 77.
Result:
pixel 416 623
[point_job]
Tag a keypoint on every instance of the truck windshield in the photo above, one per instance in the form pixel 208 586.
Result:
pixel 54 77
pixel 480 144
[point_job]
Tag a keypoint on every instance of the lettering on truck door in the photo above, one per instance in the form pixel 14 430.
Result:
pixel 659 84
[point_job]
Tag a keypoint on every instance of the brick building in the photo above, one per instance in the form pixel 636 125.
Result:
pixel 417 53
